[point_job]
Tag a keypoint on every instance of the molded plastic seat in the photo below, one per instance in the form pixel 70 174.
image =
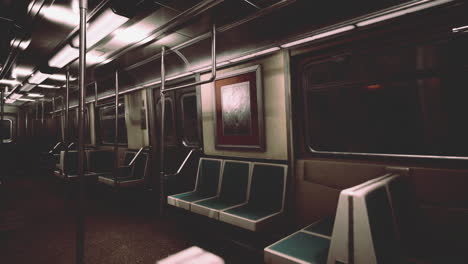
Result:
pixel 266 198
pixel 68 168
pixel 234 185
pixel 206 186
pixel 128 176
pixel 100 162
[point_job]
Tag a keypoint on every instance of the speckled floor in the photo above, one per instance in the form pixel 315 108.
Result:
pixel 37 225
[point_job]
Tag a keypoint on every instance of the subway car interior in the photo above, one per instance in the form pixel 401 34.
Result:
pixel 234 131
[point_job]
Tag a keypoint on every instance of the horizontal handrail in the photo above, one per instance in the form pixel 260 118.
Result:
pixel 71 145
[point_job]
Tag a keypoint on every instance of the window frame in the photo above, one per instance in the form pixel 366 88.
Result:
pixel 186 142
pixel 100 108
pixel 8 140
pixel 298 79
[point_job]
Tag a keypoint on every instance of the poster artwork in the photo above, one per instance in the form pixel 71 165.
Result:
pixel 236 109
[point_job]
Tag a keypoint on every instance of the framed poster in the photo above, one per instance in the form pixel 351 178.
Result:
pixel 239 120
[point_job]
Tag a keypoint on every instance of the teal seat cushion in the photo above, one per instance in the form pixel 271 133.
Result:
pixel 191 196
pixel 250 212
pixel 234 183
pixel 111 177
pixel 217 203
pixel 323 227
pixel 303 246
pixel 208 177
pixel 267 187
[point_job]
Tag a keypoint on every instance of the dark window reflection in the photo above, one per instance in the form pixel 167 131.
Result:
pixel 190 119
pixel 393 100
pixel 169 128
pixel 5 129
pixel 107 124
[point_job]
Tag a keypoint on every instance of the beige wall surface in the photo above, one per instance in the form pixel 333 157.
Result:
pixel 274 111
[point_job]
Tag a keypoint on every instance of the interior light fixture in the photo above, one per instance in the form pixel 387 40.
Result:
pixel 101 27
pixel 27 87
pixel 25 100
pixel 9 101
pixel 21 71
pixel 21 44
pixel 36 95
pixel 61 77
pixel 133 34
pixel 94 57
pixel 460 29
pixel 319 36
pixel 402 10
pixel 179 76
pixel 66 55
pixel 38 77
pixel 16 96
pixel 256 54
pixel 9 82
pixel 47 86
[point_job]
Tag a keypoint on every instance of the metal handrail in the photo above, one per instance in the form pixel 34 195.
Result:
pixel 213 67
pixel 181 167
pixel 55 147
pixel 136 156
pixel 71 145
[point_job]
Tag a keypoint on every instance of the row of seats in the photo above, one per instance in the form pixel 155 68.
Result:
pixel 366 229
pixel 99 165
pixel 246 194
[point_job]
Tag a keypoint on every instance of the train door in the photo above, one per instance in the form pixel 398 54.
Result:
pixel 182 134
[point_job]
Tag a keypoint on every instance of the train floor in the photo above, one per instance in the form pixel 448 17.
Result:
pixel 38 225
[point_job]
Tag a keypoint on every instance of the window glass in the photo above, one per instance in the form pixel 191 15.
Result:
pixel 407 99
pixel 107 124
pixel 190 119
pixel 6 129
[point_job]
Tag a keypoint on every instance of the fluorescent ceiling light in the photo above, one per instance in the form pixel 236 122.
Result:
pixel 256 54
pixel 319 36
pixel 21 44
pixel 179 76
pixel 21 71
pixel 9 101
pixel 460 29
pixel 9 82
pixel 27 87
pixel 46 86
pixel 25 100
pixel 403 10
pixel 16 96
pixel 133 34
pixel 102 26
pixel 94 57
pixel 66 55
pixel 35 95
pixel 61 15
pixel 38 77
pixel 60 77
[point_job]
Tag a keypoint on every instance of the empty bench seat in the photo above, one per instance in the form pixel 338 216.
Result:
pixel 365 213
pixel 101 162
pixel 234 184
pixel 206 186
pixel 68 168
pixel 130 175
pixel 309 245
pixel 265 201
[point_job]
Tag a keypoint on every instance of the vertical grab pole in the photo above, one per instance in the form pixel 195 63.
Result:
pixel 116 131
pixel 67 107
pixel 162 136
pixel 2 109
pixel 80 230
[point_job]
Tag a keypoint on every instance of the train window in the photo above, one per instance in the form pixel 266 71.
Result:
pixel 73 123
pixel 169 124
pixel 107 124
pixel 393 100
pixel 189 119
pixel 6 130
